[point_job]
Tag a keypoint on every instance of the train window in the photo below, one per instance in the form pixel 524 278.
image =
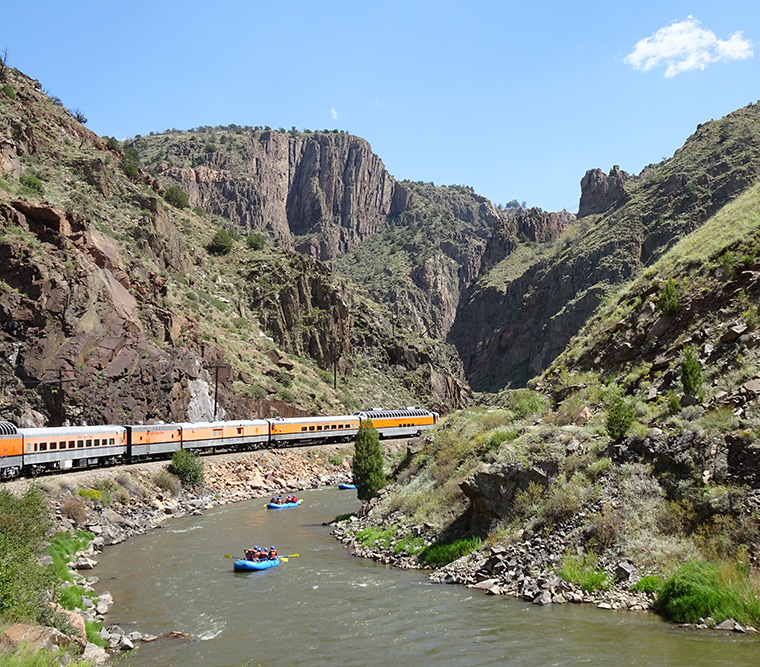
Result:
pixel 334 426
pixel 319 428
pixel 53 445
pixel 43 446
pixel 303 428
pixel 311 428
pixel 88 443
pixel 217 433
pixel 97 442
pixel 28 447
pixel 80 443
pixel 111 441
pixel 240 430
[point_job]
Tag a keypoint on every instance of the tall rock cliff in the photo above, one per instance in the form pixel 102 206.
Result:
pixel 322 192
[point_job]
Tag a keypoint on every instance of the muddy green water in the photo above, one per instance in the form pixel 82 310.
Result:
pixel 325 607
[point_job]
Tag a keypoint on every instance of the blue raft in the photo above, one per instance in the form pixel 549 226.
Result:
pixel 345 485
pixel 254 565
pixel 282 506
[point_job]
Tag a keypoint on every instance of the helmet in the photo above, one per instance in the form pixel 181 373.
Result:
pixel 256 549
pixel 271 547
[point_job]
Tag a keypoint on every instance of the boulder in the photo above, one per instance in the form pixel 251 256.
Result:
pixel 34 636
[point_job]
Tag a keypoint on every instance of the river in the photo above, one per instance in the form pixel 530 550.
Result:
pixel 324 606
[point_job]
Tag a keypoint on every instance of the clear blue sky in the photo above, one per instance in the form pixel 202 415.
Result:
pixel 514 98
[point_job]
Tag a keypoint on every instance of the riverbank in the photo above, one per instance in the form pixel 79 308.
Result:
pixel 114 504
pixel 527 569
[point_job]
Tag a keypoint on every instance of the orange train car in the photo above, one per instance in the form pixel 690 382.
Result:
pixel 294 430
pixel 406 422
pixel 11 443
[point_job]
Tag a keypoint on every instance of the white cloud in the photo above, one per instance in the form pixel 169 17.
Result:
pixel 684 46
pixel 334 114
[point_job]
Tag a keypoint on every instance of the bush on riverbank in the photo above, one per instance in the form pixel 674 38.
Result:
pixel 443 553
pixel 42 658
pixel 24 583
pixel 699 590
pixel 62 547
pixel 582 571
pixel 188 467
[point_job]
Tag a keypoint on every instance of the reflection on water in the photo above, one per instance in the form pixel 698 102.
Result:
pixel 325 607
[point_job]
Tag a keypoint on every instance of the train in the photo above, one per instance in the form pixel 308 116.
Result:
pixel 34 451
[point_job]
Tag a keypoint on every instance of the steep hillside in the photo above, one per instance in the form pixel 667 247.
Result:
pixel 525 321
pixel 114 310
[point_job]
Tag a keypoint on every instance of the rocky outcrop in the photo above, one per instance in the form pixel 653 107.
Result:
pixel 491 490
pixel 522 226
pixel 329 187
pixel 601 192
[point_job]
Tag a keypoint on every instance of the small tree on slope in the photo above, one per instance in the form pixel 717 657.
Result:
pixel 368 462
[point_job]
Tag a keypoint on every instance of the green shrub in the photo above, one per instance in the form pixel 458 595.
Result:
pixel 62 547
pixel 221 244
pixel 24 583
pixel 177 197
pixel 132 155
pixel 32 183
pixel 130 171
pixel 442 553
pixel 187 467
pixel 113 143
pixel 92 629
pixel 667 302
pixel 255 242
pixel 8 91
pixel 373 535
pixel 691 372
pixel 528 502
pixel 707 589
pixel 526 403
pixel 23 657
pixel 620 416
pixel 582 571
pixel 650 584
pixel 674 405
pixel 497 439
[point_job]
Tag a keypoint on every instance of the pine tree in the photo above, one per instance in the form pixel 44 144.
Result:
pixel 368 462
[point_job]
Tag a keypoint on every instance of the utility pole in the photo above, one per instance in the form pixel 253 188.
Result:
pixel 216 385
pixel 61 403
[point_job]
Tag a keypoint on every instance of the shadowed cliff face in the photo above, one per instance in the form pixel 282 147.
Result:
pixel 523 321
